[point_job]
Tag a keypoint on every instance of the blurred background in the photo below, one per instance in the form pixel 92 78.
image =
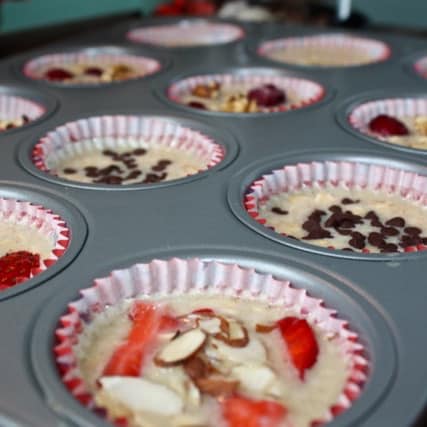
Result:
pixel 27 23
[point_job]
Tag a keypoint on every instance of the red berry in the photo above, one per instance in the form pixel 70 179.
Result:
pixel 267 95
pixel 243 412
pixel 94 71
pixel 147 321
pixel 195 104
pixel 301 342
pixel 387 126
pixel 15 267
pixel 58 74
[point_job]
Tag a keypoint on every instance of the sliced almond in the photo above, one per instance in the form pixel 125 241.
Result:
pixel 210 325
pixel 181 348
pixel 197 367
pixel 217 386
pixel 265 329
pixel 138 394
pixel 253 352
pixel 254 377
pixel 237 335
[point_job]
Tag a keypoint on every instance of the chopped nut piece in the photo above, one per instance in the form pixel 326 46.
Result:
pixel 217 386
pixel 208 91
pixel 421 125
pixel 265 329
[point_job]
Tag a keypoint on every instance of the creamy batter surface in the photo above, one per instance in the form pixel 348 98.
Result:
pixel 262 369
pixel 349 219
pixel 21 237
pixel 147 163
pixel 417 137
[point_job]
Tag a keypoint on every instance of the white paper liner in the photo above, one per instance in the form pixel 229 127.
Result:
pixel 194 276
pixel 116 131
pixel 187 33
pixel 420 67
pixel 304 92
pixel 408 185
pixel 142 65
pixel 14 107
pixel 41 219
pixel 360 117
pixel 375 50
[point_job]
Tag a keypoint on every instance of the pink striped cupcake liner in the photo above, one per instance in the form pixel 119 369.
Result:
pixel 344 174
pixel 187 33
pixel 43 221
pixel 112 132
pixel 142 65
pixel 16 107
pixel 361 115
pixel 193 276
pixel 300 92
pixel 343 48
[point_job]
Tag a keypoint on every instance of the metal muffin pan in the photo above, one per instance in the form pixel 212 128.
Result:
pixel 344 110
pixel 219 136
pixel 363 317
pixel 384 301
pixel 48 102
pixel 241 182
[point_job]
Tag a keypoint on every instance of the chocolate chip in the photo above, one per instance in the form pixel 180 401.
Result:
pixel 195 104
pixel 131 165
pixel 109 179
pixel 310 225
pixel 371 215
pixel 389 231
pixel 108 170
pixel 412 231
pixel 91 171
pixel 335 208
pixel 357 235
pixel 279 211
pixel 126 154
pixel 424 240
pixel 316 215
pixel 139 151
pixel 158 168
pixel 109 153
pixel 25 118
pixel 318 233
pixel 397 221
pixel 389 247
pixel 10 126
pixel 406 241
pixel 376 239
pixel 347 201
pixel 133 175
pixel 357 241
pixel 150 178
pixel 69 171
pixel 347 249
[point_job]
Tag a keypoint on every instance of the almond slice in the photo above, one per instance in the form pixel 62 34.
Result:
pixel 181 348
pixel 254 377
pixel 217 386
pixel 237 335
pixel 265 329
pixel 211 325
pixel 138 394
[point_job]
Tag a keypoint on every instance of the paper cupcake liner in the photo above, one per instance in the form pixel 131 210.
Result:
pixel 14 107
pixel 116 131
pixel 35 68
pixel 372 177
pixel 375 50
pixel 183 277
pixel 186 33
pixel 420 67
pixel 360 117
pixel 305 92
pixel 44 221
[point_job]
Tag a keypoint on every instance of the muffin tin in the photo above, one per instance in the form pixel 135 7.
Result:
pixel 383 297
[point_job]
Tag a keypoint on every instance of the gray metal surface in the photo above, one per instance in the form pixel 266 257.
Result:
pixel 384 300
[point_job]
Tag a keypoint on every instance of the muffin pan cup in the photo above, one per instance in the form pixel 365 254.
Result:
pixel 383 300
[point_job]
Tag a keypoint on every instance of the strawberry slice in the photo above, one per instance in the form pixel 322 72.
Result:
pixel 388 126
pixel 242 412
pixel 301 342
pixel 147 321
pixel 15 267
